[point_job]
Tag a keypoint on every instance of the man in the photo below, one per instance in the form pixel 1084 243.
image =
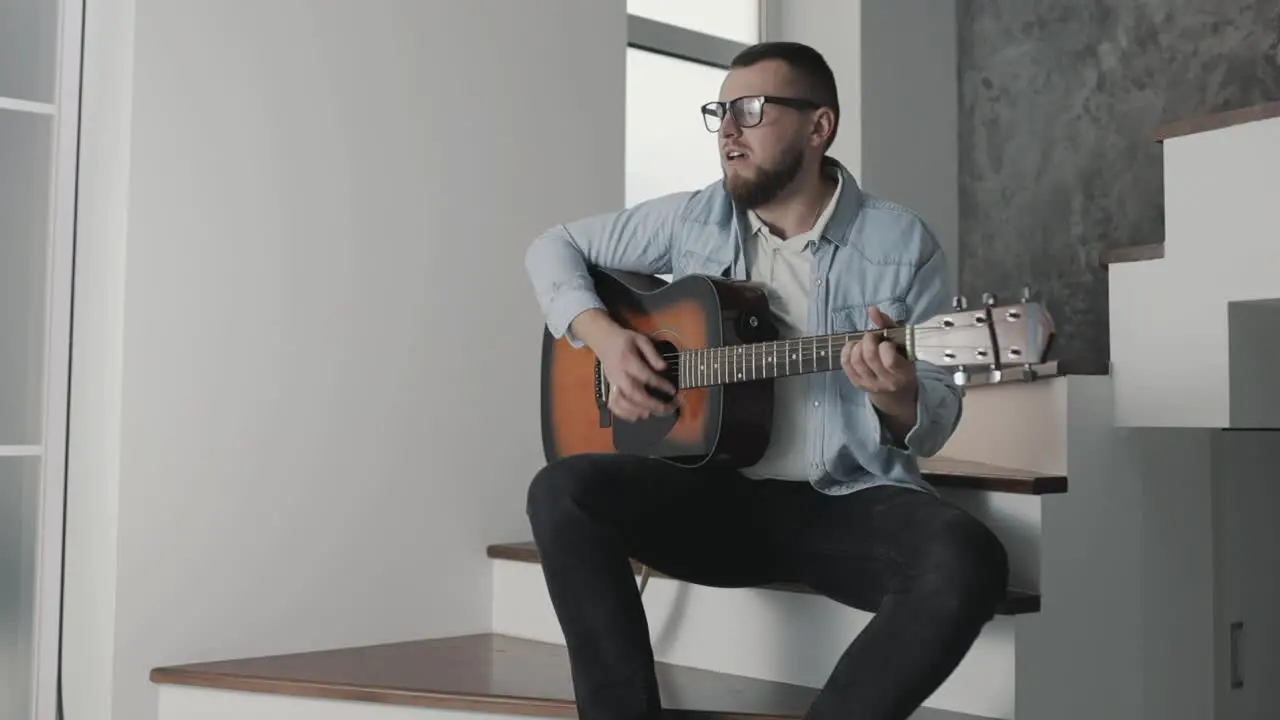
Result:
pixel 837 502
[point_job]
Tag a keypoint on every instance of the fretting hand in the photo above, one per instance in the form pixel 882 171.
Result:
pixel 875 364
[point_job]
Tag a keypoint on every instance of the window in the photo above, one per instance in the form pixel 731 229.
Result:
pixel 678 53
pixel 668 148
pixel 737 20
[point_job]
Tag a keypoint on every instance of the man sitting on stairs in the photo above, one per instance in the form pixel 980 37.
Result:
pixel 837 502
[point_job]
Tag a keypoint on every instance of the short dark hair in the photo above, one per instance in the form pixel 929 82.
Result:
pixel 819 83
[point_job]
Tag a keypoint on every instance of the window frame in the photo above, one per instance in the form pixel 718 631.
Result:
pixel 674 41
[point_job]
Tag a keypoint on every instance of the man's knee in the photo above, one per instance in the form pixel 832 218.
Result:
pixel 968 570
pixel 558 488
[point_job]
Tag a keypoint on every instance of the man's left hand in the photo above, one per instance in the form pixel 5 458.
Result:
pixel 874 364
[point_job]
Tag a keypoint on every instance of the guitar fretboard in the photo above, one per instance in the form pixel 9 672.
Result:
pixel 760 361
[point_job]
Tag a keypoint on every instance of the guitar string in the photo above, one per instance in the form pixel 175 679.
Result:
pixel 759 366
pixel 738 358
pixel 728 352
pixel 805 354
pixel 800 362
pixel 896 334
pixel 718 355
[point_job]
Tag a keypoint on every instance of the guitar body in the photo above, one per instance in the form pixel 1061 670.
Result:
pixel 722 424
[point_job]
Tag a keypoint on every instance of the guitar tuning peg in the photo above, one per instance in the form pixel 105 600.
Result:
pixel 1026 293
pixel 989 299
pixel 996 374
pixel 959 303
pixel 961 377
pixel 1029 372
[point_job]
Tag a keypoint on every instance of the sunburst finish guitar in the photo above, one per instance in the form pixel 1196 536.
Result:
pixel 723 351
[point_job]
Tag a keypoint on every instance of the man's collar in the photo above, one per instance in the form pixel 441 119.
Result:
pixel 848 205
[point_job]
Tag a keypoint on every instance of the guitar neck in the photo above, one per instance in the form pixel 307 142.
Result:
pixel 759 361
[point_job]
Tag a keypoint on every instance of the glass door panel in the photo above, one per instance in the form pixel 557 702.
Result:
pixel 19 507
pixel 28 49
pixel 25 161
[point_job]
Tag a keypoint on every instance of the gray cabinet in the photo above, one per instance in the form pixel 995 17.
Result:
pixel 1246 499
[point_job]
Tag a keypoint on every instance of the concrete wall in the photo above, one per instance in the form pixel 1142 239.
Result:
pixel 1057 105
pixel 909 113
pixel 306 362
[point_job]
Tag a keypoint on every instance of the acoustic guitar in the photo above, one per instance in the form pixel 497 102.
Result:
pixel 723 351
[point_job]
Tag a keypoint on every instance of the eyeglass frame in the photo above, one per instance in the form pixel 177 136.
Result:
pixel 726 107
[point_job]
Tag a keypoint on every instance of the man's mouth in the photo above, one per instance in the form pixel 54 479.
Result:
pixel 734 155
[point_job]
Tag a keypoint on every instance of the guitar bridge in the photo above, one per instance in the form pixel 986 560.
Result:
pixel 602 396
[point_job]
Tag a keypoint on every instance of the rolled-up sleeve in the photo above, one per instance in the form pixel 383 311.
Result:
pixel 939 401
pixel 637 239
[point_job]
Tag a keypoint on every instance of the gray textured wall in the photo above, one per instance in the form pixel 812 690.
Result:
pixel 1058 100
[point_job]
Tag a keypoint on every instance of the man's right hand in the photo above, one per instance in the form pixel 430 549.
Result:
pixel 631 363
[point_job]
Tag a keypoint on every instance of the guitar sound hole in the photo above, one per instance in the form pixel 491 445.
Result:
pixel 643 436
pixel 671 354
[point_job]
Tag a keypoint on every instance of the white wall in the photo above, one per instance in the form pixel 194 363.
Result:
pixel 910 112
pixel 895 67
pixel 1177 571
pixel 307 389
pixel 833 28
pixel 93 452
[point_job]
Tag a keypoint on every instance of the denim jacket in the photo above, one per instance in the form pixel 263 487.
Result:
pixel 873 252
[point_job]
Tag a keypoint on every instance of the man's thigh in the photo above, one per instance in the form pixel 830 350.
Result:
pixel 861 547
pixel 696 524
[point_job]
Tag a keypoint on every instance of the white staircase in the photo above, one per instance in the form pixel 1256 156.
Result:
pixel 1064 646
pixel 1195 347
pixel 1195 335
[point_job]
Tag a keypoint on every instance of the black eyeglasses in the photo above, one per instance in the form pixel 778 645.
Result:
pixel 748 110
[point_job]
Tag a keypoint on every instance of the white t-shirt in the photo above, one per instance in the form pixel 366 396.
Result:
pixel 784 267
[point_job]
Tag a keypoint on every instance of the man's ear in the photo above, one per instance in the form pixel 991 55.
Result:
pixel 824 126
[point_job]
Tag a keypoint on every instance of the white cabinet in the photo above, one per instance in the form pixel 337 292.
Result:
pixel 39 108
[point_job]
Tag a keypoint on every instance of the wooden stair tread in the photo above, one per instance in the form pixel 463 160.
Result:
pixel 1217 121
pixel 942 471
pixel 487 673
pixel 1016 602
pixel 1131 253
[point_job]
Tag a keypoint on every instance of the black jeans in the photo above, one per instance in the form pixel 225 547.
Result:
pixel 932 574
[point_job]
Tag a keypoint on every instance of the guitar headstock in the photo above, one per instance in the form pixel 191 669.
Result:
pixel 991 337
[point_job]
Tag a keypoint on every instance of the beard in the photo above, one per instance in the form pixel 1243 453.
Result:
pixel 762 188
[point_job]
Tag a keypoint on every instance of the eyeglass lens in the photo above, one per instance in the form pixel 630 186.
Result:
pixel 747 112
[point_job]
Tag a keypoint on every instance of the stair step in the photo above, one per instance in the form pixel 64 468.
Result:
pixel 1016 602
pixel 488 673
pixel 1217 121
pixel 945 472
pixel 1131 253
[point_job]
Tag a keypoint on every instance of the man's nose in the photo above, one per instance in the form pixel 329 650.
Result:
pixel 729 126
